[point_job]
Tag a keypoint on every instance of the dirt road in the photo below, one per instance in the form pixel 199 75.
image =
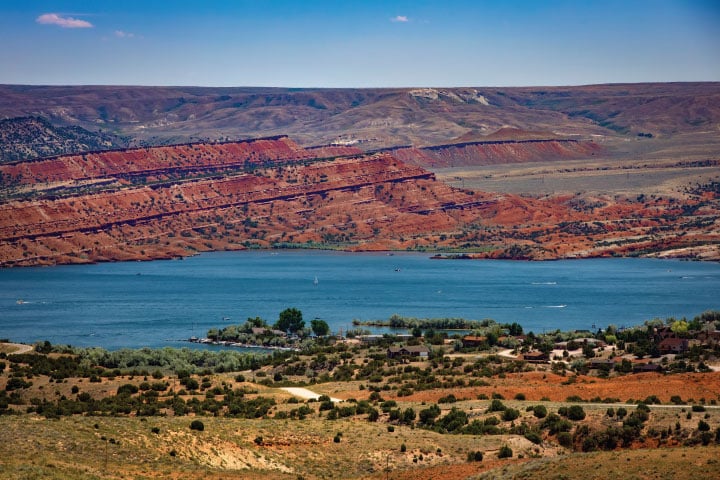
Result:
pixel 306 394
pixel 16 348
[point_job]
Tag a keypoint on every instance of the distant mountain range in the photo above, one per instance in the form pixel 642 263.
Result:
pixel 367 118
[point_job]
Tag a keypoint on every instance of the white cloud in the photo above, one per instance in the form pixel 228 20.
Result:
pixel 400 19
pixel 64 22
pixel 121 34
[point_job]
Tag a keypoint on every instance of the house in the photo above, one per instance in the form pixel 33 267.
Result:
pixel 673 345
pixel 267 331
pixel 602 363
pixel 647 367
pixel 709 337
pixel 535 357
pixel 473 341
pixel 417 351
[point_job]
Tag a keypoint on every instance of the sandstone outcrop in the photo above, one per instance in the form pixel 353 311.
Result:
pixel 196 157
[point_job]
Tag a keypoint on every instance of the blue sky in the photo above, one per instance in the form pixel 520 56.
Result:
pixel 358 44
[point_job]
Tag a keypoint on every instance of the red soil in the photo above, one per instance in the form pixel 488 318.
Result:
pixel 538 385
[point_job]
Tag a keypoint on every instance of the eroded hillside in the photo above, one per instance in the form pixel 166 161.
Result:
pixel 175 201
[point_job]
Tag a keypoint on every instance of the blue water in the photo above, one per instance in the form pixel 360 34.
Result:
pixel 158 303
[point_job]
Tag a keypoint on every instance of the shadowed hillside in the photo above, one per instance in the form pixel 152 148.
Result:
pixel 25 138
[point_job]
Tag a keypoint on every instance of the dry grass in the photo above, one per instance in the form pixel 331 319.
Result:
pixel 661 166
pixel 570 177
pixel 74 448
pixel 665 464
pixel 538 385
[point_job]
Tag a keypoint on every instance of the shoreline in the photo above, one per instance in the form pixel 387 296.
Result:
pixel 226 343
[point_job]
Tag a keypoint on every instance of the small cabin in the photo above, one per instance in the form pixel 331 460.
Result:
pixel 602 363
pixel 473 341
pixel 412 351
pixel 673 345
pixel 647 367
pixel 536 357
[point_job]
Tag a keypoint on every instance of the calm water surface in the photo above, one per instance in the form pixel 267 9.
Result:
pixel 159 303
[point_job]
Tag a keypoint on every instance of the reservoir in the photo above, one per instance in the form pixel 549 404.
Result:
pixel 161 303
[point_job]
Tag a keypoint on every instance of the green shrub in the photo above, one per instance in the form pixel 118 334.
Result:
pixel 534 437
pixel 373 415
pixel 476 456
pixel 575 412
pixel 540 411
pixel 505 452
pixel 510 414
pixel 496 406
pixel 16 383
pixel 565 439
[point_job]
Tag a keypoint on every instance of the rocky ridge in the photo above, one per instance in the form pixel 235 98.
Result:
pixel 497 152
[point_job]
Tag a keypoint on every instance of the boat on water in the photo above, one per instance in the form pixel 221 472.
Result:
pixel 315 282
